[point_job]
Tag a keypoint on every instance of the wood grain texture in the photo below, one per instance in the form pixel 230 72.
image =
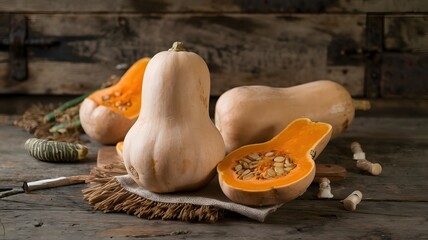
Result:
pixel 17 166
pixel 404 75
pixel 393 205
pixel 265 49
pixel 300 219
pixel 406 33
pixel 400 145
pixel 405 60
pixel 213 6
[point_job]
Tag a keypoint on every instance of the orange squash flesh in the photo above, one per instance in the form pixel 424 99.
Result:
pixel 119 148
pixel 125 96
pixel 302 140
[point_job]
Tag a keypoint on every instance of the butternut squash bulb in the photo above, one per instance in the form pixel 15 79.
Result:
pixel 174 146
pixel 107 114
pixel 254 114
pixel 276 171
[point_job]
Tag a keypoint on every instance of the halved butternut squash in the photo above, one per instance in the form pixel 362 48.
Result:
pixel 278 170
pixel 107 114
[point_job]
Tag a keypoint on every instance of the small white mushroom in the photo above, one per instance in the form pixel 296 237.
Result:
pixel 350 203
pixel 357 151
pixel 372 168
pixel 325 188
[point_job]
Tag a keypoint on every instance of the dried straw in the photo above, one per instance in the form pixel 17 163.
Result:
pixel 106 194
pixel 32 122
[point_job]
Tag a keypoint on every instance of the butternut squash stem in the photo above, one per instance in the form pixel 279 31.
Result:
pixel 74 124
pixel 73 102
pixel 177 47
pixel 361 104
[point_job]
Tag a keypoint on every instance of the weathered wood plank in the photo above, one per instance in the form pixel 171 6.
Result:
pixel 213 6
pixel 404 75
pixel 400 145
pixel 276 50
pixel 300 219
pixel 404 67
pixel 396 108
pixel 23 102
pixel 393 206
pixel 406 33
pixel 17 166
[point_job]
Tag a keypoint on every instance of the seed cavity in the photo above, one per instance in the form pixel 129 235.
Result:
pixel 264 165
pixel 120 104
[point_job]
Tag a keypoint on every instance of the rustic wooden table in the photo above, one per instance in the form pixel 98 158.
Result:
pixel 394 204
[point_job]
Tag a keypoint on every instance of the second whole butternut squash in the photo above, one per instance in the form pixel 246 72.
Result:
pixel 254 114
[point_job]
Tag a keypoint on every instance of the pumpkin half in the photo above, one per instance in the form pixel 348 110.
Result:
pixel 254 114
pixel 107 114
pixel 276 171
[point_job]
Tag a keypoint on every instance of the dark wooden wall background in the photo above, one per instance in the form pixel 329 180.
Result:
pixel 377 49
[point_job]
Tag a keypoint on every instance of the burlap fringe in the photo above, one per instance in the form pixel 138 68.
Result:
pixel 108 195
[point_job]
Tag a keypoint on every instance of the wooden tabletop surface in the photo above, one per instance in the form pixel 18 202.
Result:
pixel 394 205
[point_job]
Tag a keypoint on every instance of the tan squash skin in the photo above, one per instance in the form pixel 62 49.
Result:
pixel 174 146
pixel 102 124
pixel 254 114
pixel 300 138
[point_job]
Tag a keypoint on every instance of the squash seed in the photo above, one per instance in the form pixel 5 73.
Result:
pixel 254 156
pixel 271 172
pixel 246 160
pixel 245 172
pixel 279 170
pixel 238 167
pixel 269 154
pixel 248 176
pixel 278 164
pixel 270 165
pixel 253 165
pixel 245 165
pixel 105 97
pixel 118 103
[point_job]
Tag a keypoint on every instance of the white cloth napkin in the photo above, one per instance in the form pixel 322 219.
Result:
pixel 210 195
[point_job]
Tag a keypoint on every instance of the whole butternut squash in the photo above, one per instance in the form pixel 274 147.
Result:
pixel 173 145
pixel 254 114
pixel 107 114
pixel 276 171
